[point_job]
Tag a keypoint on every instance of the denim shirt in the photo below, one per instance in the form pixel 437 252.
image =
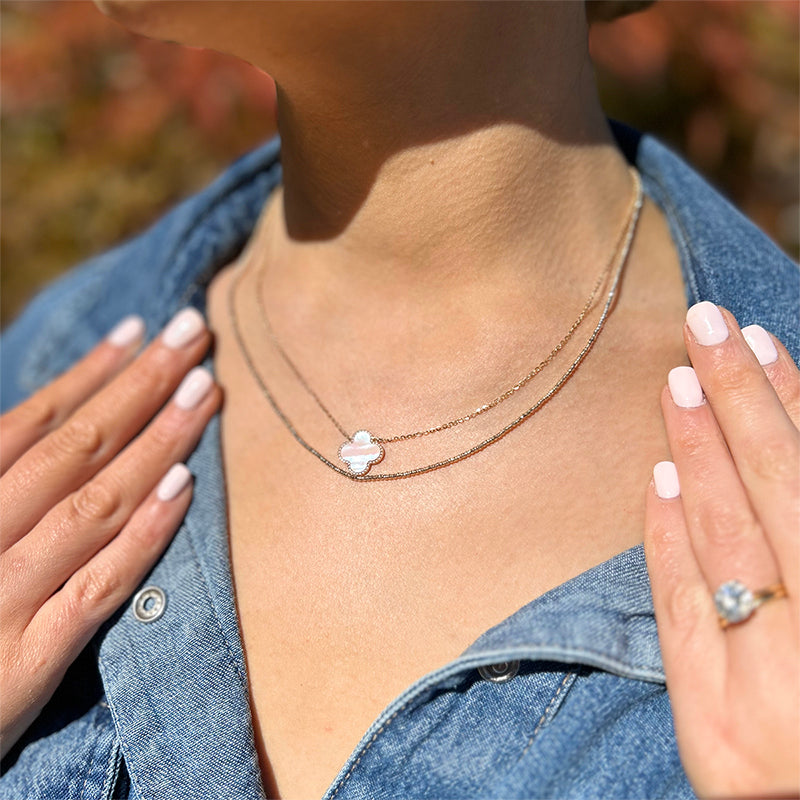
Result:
pixel 158 710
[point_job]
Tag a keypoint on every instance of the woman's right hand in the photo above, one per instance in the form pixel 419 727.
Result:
pixel 86 508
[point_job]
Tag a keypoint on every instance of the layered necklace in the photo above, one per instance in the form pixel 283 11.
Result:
pixel 361 450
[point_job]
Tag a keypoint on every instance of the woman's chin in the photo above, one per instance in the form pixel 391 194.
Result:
pixel 139 16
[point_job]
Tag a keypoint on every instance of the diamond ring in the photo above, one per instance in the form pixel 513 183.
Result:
pixel 735 602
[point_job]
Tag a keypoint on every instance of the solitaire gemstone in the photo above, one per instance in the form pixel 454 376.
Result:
pixel 361 453
pixel 734 601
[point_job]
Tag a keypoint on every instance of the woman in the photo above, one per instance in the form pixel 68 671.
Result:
pixel 412 290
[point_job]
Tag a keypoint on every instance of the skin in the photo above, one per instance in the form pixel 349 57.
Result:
pixel 429 210
pixel 738 719
pixel 75 549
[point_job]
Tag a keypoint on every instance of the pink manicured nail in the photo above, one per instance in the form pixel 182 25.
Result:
pixel 171 485
pixel 706 323
pixel 125 333
pixel 685 388
pixel 183 328
pixel 194 387
pixel 665 478
pixel 761 344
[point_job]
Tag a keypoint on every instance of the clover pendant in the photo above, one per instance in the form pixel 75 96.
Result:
pixel 361 452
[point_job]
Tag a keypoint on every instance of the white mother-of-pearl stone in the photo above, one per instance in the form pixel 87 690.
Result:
pixel 361 452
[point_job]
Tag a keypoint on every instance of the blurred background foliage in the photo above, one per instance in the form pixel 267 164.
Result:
pixel 102 129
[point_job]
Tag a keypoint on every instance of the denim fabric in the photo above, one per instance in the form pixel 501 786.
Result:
pixel 160 710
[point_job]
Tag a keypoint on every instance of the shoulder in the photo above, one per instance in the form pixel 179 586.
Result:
pixel 165 267
pixel 725 257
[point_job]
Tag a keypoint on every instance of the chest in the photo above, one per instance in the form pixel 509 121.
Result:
pixel 347 593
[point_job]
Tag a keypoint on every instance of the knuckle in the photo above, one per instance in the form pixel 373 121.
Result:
pixel 687 604
pixel 731 375
pixel 97 501
pixel 80 436
pixel 723 527
pixel 691 438
pixel 163 434
pixel 775 459
pixel 146 536
pixel 38 413
pixel 154 376
pixel 94 588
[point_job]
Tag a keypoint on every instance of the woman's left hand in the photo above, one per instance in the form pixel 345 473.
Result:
pixel 735 515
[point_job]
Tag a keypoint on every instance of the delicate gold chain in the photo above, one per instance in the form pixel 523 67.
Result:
pixel 621 252
pixel 401 437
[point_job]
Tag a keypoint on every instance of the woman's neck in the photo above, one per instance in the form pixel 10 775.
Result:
pixel 426 146
pixel 451 194
pixel 450 144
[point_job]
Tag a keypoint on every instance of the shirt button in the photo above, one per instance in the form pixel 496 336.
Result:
pixel 149 604
pixel 499 673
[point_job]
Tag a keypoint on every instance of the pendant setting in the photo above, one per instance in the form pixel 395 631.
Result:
pixel 361 452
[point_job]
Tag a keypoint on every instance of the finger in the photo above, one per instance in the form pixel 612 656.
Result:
pixel 779 367
pixel 25 424
pixel 87 520
pixel 66 458
pixel 67 621
pixel 688 630
pixel 704 681
pixel 763 441
pixel 727 539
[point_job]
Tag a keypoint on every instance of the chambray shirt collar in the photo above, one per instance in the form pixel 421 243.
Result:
pixel 602 618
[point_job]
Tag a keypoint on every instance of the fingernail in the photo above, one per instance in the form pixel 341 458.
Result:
pixel 706 323
pixel 685 388
pixel 128 331
pixel 761 344
pixel 185 326
pixel 194 387
pixel 173 483
pixel 665 478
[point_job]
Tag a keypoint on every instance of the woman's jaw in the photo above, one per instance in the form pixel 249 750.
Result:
pixel 422 136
